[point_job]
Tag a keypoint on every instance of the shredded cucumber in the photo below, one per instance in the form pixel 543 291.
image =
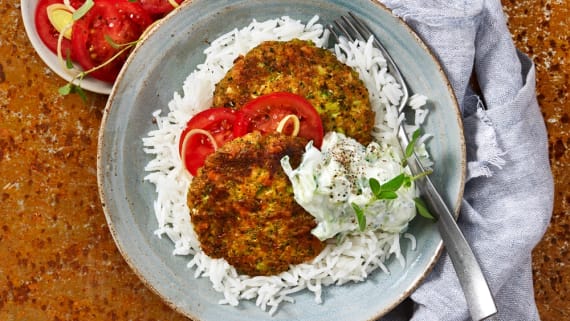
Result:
pixel 329 184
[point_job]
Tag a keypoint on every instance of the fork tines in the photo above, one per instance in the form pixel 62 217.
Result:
pixel 350 27
pixel 353 28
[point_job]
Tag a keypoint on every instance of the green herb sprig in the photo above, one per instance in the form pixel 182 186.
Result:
pixel 388 190
pixel 420 205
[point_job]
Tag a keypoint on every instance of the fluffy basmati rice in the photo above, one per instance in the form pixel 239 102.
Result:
pixel 349 260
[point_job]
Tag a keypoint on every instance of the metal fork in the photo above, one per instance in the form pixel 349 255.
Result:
pixel 475 288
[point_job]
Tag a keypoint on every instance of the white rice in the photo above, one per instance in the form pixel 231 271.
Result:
pixel 353 259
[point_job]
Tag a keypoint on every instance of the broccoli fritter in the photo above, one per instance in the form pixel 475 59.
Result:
pixel 243 208
pixel 299 67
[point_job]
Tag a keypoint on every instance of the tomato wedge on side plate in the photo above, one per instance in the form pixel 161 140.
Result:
pixel 47 33
pixel 217 122
pixel 107 23
pixel 266 112
pixel 158 8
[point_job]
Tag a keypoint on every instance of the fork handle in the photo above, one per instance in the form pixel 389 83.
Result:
pixel 475 288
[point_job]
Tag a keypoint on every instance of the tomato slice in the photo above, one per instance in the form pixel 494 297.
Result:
pixel 47 33
pixel 218 122
pixel 122 21
pixel 158 8
pixel 266 112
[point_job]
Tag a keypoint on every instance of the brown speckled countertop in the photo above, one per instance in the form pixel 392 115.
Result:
pixel 57 258
pixel 541 29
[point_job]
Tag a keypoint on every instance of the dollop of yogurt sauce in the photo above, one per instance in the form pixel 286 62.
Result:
pixel 329 181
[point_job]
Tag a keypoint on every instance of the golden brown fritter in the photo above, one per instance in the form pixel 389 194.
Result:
pixel 243 207
pixel 300 67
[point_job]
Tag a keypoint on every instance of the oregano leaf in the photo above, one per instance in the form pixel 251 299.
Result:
pixel 422 209
pixel 387 195
pixel 394 184
pixel 416 134
pixel 407 181
pixel 360 217
pixel 374 186
pixel 410 148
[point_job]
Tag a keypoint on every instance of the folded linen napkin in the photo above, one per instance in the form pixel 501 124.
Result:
pixel 509 191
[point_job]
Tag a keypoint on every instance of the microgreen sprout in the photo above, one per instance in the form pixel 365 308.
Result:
pixel 71 88
pixel 83 10
pixel 73 15
pixel 74 85
pixel 115 45
pixel 68 62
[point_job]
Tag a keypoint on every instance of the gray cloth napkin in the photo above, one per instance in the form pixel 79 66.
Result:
pixel 509 192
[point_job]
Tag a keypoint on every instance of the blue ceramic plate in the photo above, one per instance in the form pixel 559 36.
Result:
pixel 157 69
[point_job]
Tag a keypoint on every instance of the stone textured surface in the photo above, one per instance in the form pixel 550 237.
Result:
pixel 541 29
pixel 57 258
